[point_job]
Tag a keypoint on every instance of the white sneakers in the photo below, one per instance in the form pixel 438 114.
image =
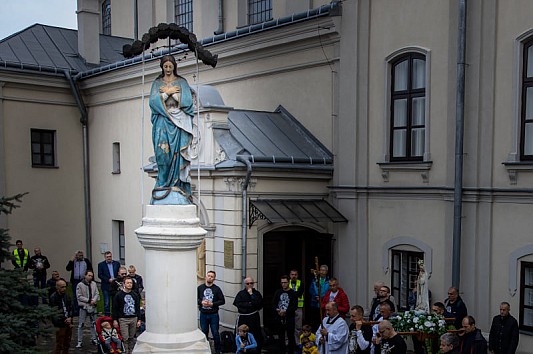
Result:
pixel 79 345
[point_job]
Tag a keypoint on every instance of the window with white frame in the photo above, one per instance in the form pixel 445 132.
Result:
pixel 119 240
pixel 183 13
pixel 106 17
pixel 259 11
pixel 526 136
pixel 526 296
pixel 408 108
pixel 43 148
pixel 404 273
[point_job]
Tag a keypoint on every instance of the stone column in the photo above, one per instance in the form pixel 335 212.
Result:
pixel 170 235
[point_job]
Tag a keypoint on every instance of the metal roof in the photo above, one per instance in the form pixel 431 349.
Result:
pixel 293 211
pixel 270 139
pixel 48 48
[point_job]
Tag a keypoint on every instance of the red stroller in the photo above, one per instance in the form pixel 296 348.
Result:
pixel 102 346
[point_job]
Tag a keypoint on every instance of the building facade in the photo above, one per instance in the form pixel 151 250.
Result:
pixel 375 82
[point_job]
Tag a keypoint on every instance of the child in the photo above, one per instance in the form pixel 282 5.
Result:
pixel 110 334
pixel 308 347
pixel 245 341
pixel 307 332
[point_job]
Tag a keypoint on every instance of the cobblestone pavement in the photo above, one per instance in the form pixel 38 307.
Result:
pixel 47 344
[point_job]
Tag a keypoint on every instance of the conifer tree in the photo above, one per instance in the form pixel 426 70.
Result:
pixel 21 320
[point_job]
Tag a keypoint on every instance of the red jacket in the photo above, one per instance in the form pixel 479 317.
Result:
pixel 343 304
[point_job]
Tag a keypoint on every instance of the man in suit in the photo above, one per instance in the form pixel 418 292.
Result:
pixel 107 272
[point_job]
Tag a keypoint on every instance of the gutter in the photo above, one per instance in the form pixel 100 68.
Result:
pixel 85 134
pixel 459 140
pixel 244 232
pixel 220 28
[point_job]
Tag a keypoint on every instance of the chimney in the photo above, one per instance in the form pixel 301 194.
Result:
pixel 89 30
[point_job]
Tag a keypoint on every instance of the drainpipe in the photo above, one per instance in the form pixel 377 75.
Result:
pixel 220 28
pixel 85 136
pixel 459 138
pixel 246 161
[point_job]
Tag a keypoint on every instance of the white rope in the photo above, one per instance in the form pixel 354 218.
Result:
pixel 142 138
pixel 199 130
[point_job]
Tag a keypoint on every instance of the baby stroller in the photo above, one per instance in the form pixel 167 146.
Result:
pixel 102 348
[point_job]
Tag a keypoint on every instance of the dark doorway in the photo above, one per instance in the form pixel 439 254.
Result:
pixel 284 250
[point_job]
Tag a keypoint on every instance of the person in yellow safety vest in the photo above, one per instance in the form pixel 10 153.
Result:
pixel 297 285
pixel 21 256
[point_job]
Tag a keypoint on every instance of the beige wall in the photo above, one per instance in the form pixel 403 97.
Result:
pixel 51 216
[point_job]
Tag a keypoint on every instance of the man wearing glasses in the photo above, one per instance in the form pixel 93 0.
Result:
pixel 249 302
pixel 388 341
pixel 285 303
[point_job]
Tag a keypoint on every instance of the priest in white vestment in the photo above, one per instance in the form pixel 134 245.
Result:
pixel 332 336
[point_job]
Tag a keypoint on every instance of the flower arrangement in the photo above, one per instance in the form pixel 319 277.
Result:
pixel 419 321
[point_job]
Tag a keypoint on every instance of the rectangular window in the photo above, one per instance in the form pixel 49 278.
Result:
pixel 106 17
pixel 408 108
pixel 119 241
pixel 526 296
pixel 403 275
pixel 183 13
pixel 259 11
pixel 43 148
pixel 526 136
pixel 116 158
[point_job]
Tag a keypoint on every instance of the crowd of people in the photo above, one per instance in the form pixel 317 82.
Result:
pixel 344 329
pixel 121 289
pixel 333 327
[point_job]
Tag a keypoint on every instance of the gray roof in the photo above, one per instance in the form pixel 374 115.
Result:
pixel 47 48
pixel 270 139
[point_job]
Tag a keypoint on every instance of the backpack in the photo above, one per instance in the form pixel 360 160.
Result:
pixel 227 342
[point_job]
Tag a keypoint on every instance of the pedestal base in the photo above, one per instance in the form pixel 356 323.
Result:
pixel 191 342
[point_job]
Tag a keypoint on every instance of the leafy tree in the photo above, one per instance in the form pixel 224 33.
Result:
pixel 21 319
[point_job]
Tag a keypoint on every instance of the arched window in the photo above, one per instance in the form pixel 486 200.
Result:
pixel 408 108
pixel 106 17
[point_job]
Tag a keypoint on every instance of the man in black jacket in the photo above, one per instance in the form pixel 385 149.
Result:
pixel 249 302
pixel 456 306
pixel 472 341
pixel 285 303
pixel 63 321
pixel 503 338
pixel 39 264
pixel 210 298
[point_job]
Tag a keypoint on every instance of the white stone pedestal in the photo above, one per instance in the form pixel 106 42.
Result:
pixel 170 235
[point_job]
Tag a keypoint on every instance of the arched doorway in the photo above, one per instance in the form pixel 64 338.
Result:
pixel 288 248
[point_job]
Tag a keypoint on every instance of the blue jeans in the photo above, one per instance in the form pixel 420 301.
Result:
pixel 107 300
pixel 211 320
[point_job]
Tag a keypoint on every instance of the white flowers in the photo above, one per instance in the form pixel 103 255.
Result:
pixel 411 321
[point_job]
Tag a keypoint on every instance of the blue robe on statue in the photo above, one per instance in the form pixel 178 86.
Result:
pixel 172 136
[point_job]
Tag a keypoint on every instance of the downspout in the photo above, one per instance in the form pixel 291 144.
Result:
pixel 220 28
pixel 459 139
pixel 136 19
pixel 85 139
pixel 246 161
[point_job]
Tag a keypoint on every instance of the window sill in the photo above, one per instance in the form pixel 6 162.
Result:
pixel 421 167
pixel 44 166
pixel 514 167
pixel 526 332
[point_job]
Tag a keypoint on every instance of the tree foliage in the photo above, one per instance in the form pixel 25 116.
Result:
pixel 21 319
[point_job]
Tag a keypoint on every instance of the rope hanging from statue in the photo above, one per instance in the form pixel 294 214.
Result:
pixel 171 31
